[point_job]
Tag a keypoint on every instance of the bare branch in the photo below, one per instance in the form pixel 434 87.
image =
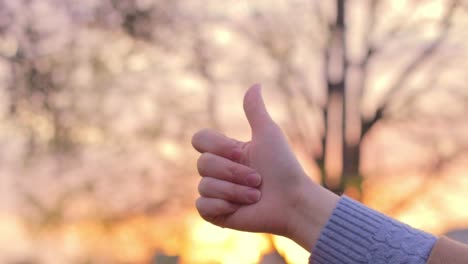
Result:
pixel 402 23
pixel 416 63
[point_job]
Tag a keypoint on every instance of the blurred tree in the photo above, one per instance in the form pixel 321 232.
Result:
pixel 46 85
pixel 338 87
pixel 69 103
pixel 345 120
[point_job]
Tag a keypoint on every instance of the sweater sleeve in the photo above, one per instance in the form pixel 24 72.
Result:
pixel 355 233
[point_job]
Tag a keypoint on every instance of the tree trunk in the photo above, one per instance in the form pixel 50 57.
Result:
pixel 351 177
pixel 336 67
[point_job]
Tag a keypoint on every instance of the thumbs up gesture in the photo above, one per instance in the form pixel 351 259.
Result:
pixel 259 185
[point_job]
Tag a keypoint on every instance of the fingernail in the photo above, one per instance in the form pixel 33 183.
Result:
pixel 253 195
pixel 253 179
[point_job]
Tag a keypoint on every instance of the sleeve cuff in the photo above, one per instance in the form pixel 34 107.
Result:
pixel 357 234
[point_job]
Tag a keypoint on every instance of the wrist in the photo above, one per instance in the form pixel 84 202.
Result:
pixel 313 208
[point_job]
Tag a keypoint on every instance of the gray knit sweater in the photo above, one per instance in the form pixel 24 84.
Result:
pixel 357 234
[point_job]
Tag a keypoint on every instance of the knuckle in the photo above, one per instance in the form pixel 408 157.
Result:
pixel 200 165
pixel 204 210
pixel 195 139
pixel 203 162
pixel 203 186
pixel 200 188
pixel 199 205
pixel 198 136
pixel 234 146
pixel 239 174
pixel 233 172
pixel 232 143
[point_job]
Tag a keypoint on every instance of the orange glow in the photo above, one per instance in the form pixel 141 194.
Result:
pixel 139 238
pixel 292 252
pixel 169 149
pixel 210 244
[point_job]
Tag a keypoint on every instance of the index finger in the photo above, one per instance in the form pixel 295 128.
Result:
pixel 208 140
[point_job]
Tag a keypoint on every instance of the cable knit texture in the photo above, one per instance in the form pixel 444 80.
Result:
pixel 357 234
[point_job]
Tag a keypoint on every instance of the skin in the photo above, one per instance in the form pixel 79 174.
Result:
pixel 259 186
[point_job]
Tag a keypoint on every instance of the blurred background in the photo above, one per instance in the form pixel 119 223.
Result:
pixel 99 99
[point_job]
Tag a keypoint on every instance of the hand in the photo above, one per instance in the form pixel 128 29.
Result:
pixel 259 186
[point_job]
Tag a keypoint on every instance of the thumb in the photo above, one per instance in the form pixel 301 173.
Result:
pixel 255 110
